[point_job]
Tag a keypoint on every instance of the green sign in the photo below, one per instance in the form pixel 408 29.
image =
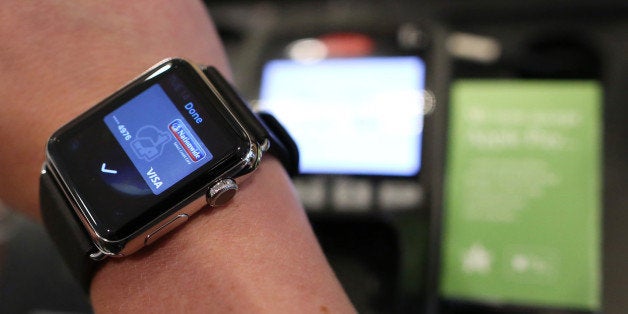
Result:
pixel 522 196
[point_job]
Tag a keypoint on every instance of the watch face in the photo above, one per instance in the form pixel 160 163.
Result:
pixel 137 155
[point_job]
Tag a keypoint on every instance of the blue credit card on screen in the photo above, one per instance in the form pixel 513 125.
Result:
pixel 159 141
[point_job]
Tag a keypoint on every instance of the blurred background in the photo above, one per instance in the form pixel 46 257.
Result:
pixel 458 156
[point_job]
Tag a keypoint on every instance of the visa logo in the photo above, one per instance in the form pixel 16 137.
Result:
pixel 154 178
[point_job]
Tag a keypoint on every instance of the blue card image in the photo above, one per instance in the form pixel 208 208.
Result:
pixel 159 141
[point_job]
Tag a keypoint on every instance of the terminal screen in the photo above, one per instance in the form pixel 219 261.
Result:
pixel 356 116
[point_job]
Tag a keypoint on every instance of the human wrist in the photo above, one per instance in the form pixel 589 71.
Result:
pixel 256 252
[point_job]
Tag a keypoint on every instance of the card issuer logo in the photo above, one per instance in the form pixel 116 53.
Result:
pixel 187 140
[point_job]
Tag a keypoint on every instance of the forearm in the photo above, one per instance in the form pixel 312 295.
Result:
pixel 256 254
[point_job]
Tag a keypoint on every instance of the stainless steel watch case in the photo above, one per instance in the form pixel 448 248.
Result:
pixel 216 193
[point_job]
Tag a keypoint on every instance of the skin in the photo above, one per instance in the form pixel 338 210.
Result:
pixel 258 254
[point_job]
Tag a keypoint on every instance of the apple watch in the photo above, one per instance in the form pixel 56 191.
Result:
pixel 141 162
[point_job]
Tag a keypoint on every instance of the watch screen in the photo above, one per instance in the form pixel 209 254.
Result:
pixel 139 154
pixel 159 141
pixel 359 116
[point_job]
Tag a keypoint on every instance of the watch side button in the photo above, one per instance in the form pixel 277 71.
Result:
pixel 165 228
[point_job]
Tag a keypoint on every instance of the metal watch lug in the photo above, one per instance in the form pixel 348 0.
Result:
pixel 98 256
pixel 221 192
pixel 255 155
pixel 265 145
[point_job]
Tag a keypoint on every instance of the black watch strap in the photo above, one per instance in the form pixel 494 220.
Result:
pixel 66 229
